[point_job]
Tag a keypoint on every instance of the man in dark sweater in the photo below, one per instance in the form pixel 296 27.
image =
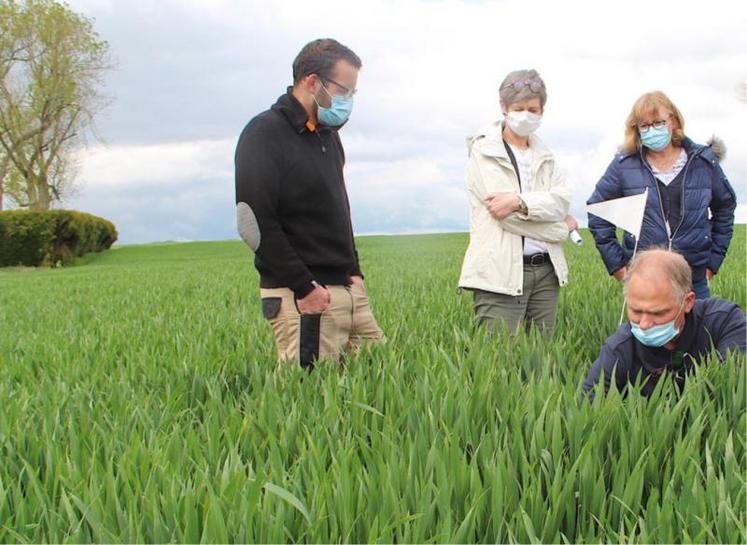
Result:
pixel 669 331
pixel 293 211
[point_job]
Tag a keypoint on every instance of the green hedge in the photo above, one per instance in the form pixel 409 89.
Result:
pixel 51 237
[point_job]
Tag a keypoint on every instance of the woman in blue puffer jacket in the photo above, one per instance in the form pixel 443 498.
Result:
pixel 685 182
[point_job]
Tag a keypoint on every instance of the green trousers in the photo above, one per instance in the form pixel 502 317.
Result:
pixel 536 307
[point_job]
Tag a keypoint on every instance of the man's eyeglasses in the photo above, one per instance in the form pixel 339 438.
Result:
pixel 349 93
pixel 534 85
pixel 658 124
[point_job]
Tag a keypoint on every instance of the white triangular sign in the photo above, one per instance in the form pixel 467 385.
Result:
pixel 625 212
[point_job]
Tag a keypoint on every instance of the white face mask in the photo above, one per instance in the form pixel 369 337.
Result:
pixel 523 123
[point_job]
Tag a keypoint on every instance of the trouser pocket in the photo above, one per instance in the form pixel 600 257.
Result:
pixel 271 307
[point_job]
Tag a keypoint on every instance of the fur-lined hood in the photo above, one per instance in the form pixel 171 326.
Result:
pixel 718 147
pixel 714 148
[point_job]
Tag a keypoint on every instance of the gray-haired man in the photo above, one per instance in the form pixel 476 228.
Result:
pixel 669 331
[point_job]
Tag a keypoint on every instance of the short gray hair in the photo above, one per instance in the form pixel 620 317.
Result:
pixel 518 86
pixel 669 263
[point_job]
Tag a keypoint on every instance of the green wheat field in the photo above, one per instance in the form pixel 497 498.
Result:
pixel 140 402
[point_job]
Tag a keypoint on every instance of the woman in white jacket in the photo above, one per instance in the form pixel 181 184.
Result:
pixel 519 218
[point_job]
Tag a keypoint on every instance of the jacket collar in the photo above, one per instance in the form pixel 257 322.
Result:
pixel 488 140
pixel 295 114
pixel 691 148
pixel 292 110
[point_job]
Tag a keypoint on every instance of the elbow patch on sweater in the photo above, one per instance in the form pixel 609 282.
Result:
pixel 248 226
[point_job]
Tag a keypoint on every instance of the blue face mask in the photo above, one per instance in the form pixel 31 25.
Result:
pixel 338 113
pixel 656 139
pixel 657 335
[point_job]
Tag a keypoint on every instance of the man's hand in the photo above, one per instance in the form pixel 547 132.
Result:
pixel 619 274
pixel 502 205
pixel 358 281
pixel 316 302
pixel 571 222
pixel 709 274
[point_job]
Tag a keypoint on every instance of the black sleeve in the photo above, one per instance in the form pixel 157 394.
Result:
pixel 733 333
pixel 258 185
pixel 723 204
pixel 357 269
pixel 608 364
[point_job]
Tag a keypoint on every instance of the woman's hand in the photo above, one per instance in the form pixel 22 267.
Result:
pixel 502 205
pixel 571 222
pixel 619 274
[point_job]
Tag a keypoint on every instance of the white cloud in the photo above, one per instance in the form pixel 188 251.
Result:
pixel 193 73
pixel 740 216
pixel 169 163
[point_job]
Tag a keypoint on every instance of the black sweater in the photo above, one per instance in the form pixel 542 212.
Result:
pixel 290 176
pixel 712 324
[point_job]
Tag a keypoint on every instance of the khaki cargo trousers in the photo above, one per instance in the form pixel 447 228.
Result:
pixel 304 338
pixel 537 306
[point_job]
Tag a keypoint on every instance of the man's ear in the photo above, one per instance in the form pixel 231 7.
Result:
pixel 689 301
pixel 308 82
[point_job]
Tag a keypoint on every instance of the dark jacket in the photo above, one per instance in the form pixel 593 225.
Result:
pixel 712 324
pixel 702 241
pixel 292 205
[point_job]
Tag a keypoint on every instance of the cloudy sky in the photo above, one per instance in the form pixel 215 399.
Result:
pixel 191 73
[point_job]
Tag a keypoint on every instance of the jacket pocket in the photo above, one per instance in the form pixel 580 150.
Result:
pixel 705 242
pixel 628 241
pixel 271 307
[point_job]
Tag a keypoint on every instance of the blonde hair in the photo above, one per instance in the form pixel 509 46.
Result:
pixel 652 102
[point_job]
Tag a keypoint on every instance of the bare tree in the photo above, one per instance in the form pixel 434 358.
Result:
pixel 4 168
pixel 52 63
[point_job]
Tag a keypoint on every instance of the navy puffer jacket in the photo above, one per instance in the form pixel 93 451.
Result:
pixel 703 241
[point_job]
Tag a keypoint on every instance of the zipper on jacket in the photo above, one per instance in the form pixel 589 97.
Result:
pixel 682 195
pixel 321 142
pixel 670 234
pixel 661 206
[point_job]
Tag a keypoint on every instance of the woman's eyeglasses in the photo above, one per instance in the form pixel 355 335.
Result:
pixel 534 85
pixel 658 124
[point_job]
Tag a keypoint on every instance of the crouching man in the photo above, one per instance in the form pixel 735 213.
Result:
pixel 669 331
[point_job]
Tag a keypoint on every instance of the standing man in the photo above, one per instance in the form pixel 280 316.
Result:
pixel 669 330
pixel 293 212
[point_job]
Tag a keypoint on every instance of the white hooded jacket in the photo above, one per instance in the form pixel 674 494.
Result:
pixel 494 258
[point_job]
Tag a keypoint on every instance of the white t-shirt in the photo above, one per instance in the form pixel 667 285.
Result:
pixel 524 160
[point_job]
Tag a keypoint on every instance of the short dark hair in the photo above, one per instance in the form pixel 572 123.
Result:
pixel 320 57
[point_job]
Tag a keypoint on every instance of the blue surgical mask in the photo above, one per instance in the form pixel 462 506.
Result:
pixel 339 111
pixel 657 335
pixel 656 139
